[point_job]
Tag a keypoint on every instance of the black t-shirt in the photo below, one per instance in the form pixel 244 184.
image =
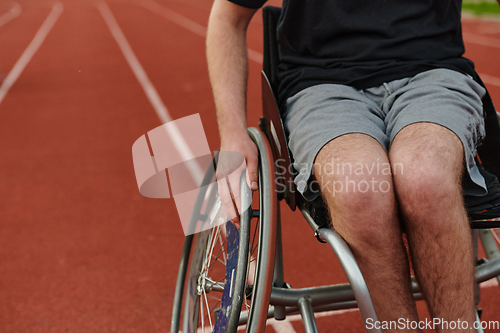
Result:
pixel 364 43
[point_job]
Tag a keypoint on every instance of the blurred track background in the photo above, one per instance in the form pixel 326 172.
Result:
pixel 80 80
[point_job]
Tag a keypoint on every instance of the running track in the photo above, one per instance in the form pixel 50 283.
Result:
pixel 80 249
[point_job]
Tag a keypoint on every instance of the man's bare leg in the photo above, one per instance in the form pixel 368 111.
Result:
pixel 429 192
pixel 366 217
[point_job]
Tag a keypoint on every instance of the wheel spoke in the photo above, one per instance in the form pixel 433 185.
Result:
pixel 202 315
pixel 222 251
pixel 208 257
pixel 212 245
pixel 208 311
pixel 222 242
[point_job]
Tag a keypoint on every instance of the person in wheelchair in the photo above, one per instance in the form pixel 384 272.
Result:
pixel 383 119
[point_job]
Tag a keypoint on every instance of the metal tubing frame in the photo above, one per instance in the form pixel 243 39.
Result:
pixel 353 273
pixel 267 236
pixel 319 295
pixel 342 296
pixel 350 266
pixel 290 310
pixel 279 279
pixel 487 270
pixel 489 245
pixel 343 293
pixel 307 313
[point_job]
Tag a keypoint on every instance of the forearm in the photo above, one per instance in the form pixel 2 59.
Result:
pixel 227 66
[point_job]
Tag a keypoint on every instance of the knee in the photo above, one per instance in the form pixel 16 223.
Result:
pixel 362 208
pixel 427 188
pixel 429 170
pixel 358 194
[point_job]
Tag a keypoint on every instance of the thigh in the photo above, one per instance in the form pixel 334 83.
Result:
pixel 354 176
pixel 438 97
pixel 318 115
pixel 353 165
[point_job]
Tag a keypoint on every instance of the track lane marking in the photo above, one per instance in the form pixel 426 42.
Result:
pixel 35 44
pixel 282 326
pixel 150 91
pixel 188 24
pixel 481 40
pixel 489 79
pixel 175 17
pixel 493 282
pixel 14 12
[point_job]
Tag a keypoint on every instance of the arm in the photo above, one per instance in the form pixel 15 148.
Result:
pixel 227 65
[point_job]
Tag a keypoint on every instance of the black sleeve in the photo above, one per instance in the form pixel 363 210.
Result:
pixel 255 4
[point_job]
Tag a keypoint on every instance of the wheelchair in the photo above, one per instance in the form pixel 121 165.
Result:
pixel 232 277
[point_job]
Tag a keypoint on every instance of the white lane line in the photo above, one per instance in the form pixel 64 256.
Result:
pixel 490 283
pixel 255 56
pixel 31 49
pixel 282 326
pixel 188 24
pixel 151 93
pixel 489 79
pixel 481 40
pixel 14 12
pixel 176 18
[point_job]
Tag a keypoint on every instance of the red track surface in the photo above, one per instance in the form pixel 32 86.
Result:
pixel 80 249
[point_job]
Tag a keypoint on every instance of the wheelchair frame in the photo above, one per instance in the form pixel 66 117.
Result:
pixel 269 295
pixel 277 300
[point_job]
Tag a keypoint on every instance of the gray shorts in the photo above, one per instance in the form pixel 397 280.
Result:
pixel 321 113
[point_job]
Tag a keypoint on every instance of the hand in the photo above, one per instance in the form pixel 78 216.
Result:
pixel 234 156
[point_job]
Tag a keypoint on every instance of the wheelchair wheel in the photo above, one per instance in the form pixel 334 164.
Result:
pixel 211 280
pixel 230 275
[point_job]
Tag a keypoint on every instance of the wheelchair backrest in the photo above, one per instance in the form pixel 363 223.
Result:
pixel 488 152
pixel 271 123
pixel 270 16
